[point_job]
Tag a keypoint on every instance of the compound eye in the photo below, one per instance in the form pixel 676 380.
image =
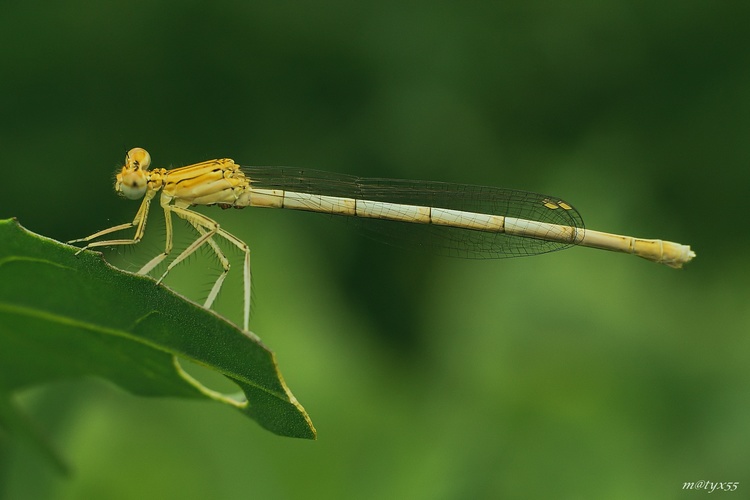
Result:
pixel 138 159
pixel 132 184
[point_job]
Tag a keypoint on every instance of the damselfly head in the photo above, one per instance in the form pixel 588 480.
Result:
pixel 132 181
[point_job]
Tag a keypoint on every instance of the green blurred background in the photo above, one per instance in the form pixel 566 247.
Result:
pixel 580 374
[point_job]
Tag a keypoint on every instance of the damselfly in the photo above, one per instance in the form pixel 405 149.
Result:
pixel 469 221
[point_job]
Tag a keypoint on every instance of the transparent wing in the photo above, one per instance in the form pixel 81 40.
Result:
pixel 454 242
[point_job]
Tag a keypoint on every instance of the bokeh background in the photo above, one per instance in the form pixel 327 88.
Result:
pixel 579 374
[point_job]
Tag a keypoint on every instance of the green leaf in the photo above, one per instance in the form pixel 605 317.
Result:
pixel 64 316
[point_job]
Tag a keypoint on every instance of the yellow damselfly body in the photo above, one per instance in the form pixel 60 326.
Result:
pixel 463 220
